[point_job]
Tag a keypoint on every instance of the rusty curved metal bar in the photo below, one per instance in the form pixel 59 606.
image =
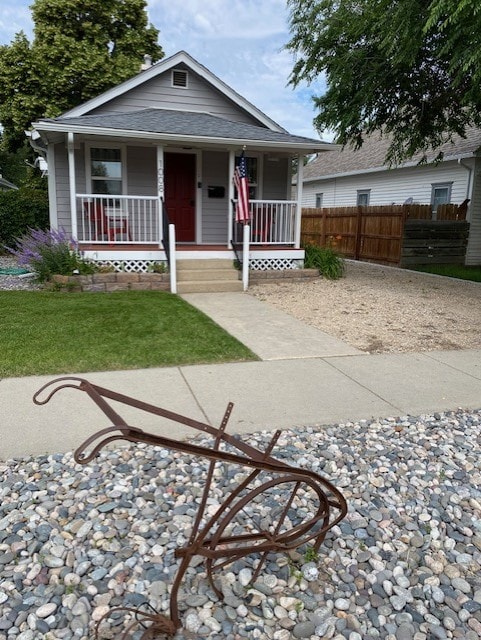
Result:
pixel 212 539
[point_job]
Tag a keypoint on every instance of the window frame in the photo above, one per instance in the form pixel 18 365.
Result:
pixel 90 179
pixel 363 192
pixel 440 185
pixel 318 200
pixel 254 187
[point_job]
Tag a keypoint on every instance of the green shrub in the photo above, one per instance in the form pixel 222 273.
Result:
pixel 21 210
pixel 330 264
pixel 49 253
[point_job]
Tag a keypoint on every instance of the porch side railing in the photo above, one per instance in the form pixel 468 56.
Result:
pixel 272 222
pixel 107 219
pixel 165 230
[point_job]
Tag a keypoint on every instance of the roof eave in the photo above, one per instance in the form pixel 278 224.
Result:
pixel 298 147
pixel 406 165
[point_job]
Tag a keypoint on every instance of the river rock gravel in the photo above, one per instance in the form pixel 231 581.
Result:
pixel 405 563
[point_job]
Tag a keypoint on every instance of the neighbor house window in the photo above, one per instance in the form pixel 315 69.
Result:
pixel 363 196
pixel 440 194
pixel 252 175
pixel 318 200
pixel 106 171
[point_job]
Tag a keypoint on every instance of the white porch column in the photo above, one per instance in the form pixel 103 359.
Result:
pixel 300 174
pixel 246 230
pixel 160 188
pixel 230 208
pixel 71 182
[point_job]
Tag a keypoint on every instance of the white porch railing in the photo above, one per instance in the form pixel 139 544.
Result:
pixel 272 222
pixel 120 219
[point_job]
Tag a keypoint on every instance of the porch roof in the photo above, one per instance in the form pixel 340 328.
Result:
pixel 181 126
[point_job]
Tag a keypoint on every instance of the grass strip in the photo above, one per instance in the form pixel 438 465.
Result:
pixel 56 333
pixel 452 271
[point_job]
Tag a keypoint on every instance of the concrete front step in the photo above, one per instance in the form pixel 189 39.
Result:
pixel 206 274
pixel 209 286
pixel 209 263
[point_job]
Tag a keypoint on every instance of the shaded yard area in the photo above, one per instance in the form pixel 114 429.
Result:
pixel 51 333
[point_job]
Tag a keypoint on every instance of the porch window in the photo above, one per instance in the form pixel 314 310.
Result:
pixel 440 194
pixel 363 197
pixel 106 171
pixel 252 175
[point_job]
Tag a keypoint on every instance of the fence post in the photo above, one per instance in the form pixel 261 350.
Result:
pixel 357 250
pixel 323 228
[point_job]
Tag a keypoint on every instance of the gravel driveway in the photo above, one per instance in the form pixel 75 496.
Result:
pixel 383 309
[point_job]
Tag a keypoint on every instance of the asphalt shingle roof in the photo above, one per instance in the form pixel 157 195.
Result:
pixel 373 152
pixel 188 123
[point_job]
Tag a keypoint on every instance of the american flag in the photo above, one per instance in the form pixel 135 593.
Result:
pixel 241 182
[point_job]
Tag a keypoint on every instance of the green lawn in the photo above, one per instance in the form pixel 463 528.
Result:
pixel 51 333
pixel 452 271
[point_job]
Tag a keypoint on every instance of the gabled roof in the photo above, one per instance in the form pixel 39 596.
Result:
pixel 371 156
pixel 182 126
pixel 182 57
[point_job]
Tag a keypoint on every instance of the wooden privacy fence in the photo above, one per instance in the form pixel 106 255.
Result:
pixel 373 234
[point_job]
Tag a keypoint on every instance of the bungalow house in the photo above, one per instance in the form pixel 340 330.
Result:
pixel 345 178
pixel 145 170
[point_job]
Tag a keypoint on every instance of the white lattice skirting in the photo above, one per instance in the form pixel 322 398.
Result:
pixel 131 266
pixel 145 266
pixel 275 264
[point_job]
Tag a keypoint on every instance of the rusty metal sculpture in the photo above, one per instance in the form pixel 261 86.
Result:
pixel 212 537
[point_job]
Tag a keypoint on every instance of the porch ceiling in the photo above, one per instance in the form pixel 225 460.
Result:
pixel 195 128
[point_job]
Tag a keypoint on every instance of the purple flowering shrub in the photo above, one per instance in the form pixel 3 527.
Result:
pixel 50 252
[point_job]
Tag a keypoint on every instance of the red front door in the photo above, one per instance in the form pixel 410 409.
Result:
pixel 179 180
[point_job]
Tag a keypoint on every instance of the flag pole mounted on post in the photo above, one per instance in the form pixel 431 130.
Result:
pixel 242 212
pixel 241 183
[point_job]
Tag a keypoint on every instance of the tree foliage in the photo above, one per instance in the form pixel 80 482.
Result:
pixel 79 49
pixel 409 68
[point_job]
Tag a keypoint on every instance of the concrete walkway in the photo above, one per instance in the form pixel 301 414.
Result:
pixel 305 377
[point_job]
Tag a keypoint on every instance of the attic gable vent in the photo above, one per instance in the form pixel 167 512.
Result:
pixel 179 78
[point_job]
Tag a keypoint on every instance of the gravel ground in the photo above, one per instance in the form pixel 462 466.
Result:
pixel 382 309
pixel 15 283
pixel 405 563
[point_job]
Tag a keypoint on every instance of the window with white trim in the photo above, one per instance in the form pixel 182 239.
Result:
pixel 440 194
pixel 319 200
pixel 363 197
pixel 106 170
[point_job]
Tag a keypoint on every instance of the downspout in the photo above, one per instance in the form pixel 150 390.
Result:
pixel 470 175
pixel 300 177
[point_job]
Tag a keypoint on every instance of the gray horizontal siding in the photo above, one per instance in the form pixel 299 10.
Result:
pixel 158 93
pixel 141 171
pixel 215 170
pixel 473 252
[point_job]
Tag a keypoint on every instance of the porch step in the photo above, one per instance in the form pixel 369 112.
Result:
pixel 206 276
pixel 209 286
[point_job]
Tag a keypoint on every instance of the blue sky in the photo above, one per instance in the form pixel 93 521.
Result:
pixel 240 41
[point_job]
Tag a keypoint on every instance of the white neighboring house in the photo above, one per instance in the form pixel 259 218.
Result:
pixel 346 178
